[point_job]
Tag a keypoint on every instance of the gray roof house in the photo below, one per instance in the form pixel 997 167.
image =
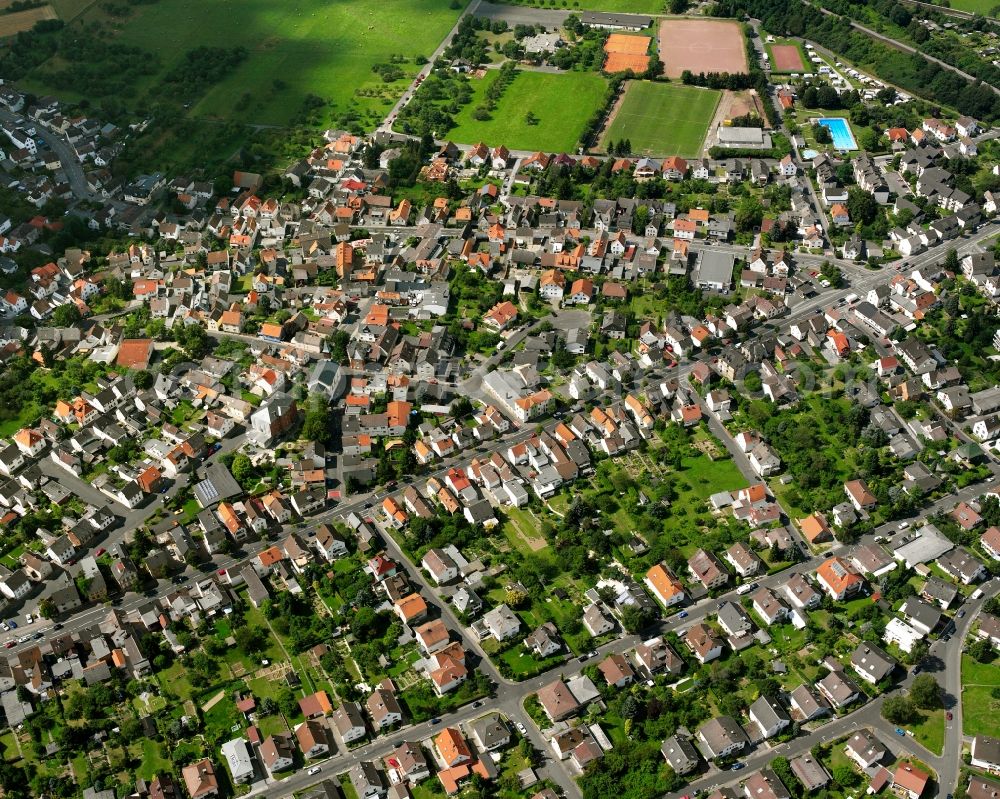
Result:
pixel 367 780
pixel 770 717
pixel 871 662
pixel 680 754
pixel 806 704
pixel 809 772
pixel 490 732
pixel 722 736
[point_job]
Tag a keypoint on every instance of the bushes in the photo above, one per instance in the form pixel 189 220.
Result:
pixel 96 68
pixel 202 67
pixel 592 130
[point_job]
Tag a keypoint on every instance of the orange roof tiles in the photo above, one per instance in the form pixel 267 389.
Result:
pixel 663 582
pixel 270 556
pixel 134 353
pixel 814 527
pixel 452 747
pixel 411 607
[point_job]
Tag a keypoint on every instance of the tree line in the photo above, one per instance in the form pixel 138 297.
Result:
pixel 908 70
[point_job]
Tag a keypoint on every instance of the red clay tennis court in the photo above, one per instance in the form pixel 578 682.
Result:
pixel 623 43
pixel 786 58
pixel 701 46
pixel 626 52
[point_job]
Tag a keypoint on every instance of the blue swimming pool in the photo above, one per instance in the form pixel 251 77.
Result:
pixel 843 139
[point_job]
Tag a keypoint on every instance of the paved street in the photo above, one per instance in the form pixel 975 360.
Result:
pixel 508 695
pixel 425 70
pixel 67 157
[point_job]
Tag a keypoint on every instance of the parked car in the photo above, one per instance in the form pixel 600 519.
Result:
pixel 435 721
pixel 949 715
pixel 900 732
pixel 520 728
pixel 737 766
pixel 314 770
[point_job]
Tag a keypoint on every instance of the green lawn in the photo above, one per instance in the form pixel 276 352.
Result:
pixel 979 708
pixel 663 119
pixel 787 638
pixel 561 103
pixel 524 664
pixel 983 7
pixel 153 759
pixel 428 789
pixel 147 708
pixel 521 528
pixel 272 725
pixel 174 680
pixel 297 48
pixel 222 717
pixel 9 745
pixel 686 487
pixel 10 559
pixel 29 414
pixel 930 731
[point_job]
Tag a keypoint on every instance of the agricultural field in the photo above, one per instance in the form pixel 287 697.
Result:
pixel 68 10
pixel 663 119
pixel 296 49
pixel 560 104
pixel 18 21
pixel 983 7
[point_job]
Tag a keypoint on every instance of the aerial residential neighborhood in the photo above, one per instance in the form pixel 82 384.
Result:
pixel 515 400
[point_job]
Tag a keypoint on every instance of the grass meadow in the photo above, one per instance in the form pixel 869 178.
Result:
pixel 561 104
pixel 663 119
pixel 297 47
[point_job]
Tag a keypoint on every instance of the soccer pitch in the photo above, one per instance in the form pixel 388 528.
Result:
pixel 663 118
